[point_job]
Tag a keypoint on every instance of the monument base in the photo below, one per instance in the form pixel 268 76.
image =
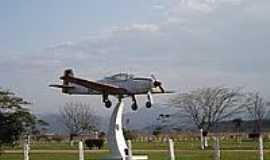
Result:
pixel 138 157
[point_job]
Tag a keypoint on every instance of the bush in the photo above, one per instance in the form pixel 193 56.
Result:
pixel 253 135
pixel 90 143
pixel 157 131
pixel 129 135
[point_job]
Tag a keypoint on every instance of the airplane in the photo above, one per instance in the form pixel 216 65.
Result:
pixel 120 85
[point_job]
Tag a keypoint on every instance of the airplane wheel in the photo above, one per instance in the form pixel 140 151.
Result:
pixel 108 104
pixel 148 104
pixel 134 107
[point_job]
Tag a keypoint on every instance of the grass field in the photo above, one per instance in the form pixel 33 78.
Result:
pixel 231 150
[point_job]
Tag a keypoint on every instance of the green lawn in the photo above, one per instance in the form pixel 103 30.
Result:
pixel 186 155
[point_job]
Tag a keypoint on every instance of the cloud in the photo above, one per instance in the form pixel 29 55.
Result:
pixel 137 28
pixel 158 7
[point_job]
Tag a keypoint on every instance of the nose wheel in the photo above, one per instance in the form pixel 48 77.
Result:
pixel 148 104
pixel 134 106
pixel 108 103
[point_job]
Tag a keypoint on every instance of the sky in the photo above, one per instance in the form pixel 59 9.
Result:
pixel 187 44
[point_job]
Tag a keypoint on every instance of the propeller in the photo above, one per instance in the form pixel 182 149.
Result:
pixel 157 83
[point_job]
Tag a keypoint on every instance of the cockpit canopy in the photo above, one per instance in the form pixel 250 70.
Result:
pixel 121 76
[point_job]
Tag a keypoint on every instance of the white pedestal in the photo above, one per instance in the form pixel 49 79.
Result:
pixel 115 136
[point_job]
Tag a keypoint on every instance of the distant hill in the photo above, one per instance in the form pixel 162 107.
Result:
pixel 226 126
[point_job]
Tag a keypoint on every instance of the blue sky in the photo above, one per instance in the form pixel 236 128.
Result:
pixel 186 43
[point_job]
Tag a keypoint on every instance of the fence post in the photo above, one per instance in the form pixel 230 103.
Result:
pixel 202 139
pixel 206 141
pixel 261 146
pixel 171 149
pixel 26 151
pixel 81 151
pixel 129 150
pixel 216 155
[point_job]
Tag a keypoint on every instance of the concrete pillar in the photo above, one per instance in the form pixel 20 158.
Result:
pixel 171 149
pixel 81 151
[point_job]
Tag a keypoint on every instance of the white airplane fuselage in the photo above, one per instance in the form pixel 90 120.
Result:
pixel 133 86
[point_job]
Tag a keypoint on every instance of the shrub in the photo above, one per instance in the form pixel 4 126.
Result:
pixel 129 135
pixel 90 143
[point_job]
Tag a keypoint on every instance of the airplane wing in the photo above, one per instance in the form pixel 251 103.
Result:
pixel 99 87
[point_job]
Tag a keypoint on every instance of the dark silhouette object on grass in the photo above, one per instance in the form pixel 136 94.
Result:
pixel 90 143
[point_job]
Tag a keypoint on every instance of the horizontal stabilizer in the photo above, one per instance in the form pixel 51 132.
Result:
pixel 165 92
pixel 61 86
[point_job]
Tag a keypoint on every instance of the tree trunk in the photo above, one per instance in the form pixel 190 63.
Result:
pixel 71 141
pixel 205 133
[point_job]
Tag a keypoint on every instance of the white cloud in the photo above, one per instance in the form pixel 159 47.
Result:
pixel 138 28
pixel 158 7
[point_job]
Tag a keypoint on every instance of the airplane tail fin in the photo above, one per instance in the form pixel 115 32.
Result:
pixel 67 73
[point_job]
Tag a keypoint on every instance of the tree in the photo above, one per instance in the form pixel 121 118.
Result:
pixel 78 118
pixel 15 119
pixel 206 107
pixel 257 109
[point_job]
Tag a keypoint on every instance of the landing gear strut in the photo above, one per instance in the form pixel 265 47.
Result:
pixel 149 103
pixel 105 99
pixel 134 105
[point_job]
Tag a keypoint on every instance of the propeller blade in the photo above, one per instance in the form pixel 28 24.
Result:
pixel 157 83
pixel 162 89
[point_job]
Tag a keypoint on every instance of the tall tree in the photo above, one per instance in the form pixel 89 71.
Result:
pixel 257 109
pixel 206 107
pixel 15 118
pixel 78 118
